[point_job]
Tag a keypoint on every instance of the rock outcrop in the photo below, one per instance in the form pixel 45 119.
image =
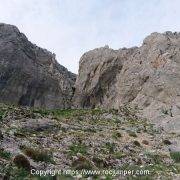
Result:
pixel 96 84
pixel 30 75
pixel 146 76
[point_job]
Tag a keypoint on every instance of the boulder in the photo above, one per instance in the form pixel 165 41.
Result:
pixel 38 125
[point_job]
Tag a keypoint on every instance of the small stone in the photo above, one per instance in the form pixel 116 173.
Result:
pixel 167 142
pixel 145 142
pixel 1 135
pixel 137 143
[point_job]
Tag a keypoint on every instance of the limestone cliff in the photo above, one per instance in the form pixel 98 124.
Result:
pixel 147 76
pixel 30 75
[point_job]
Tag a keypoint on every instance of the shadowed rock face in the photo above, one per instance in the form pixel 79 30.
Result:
pixel 30 75
pixel 147 77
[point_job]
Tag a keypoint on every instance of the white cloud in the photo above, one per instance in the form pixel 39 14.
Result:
pixel 71 27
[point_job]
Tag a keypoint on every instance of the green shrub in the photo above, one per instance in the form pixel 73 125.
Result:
pixel 96 111
pixel 119 155
pixel 110 146
pixel 156 158
pixel 175 156
pixel 165 111
pixel 77 148
pixel 12 172
pixel 22 162
pixel 116 135
pixel 2 113
pixel 100 162
pixel 5 154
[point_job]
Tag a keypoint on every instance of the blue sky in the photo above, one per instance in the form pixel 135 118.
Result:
pixel 71 27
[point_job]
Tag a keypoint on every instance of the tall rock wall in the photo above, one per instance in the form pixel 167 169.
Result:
pixel 97 81
pixel 147 76
pixel 30 75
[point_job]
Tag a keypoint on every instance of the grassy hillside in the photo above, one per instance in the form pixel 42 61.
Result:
pixel 83 139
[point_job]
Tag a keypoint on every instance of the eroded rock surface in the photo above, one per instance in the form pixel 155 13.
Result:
pixel 30 75
pixel 96 83
pixel 147 77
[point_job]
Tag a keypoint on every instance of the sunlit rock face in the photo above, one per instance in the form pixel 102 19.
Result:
pixel 96 84
pixel 147 77
pixel 31 76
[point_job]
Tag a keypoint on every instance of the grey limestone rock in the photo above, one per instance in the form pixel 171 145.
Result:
pixel 31 76
pixel 147 76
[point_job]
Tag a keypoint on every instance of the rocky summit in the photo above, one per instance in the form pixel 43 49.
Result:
pixel 31 76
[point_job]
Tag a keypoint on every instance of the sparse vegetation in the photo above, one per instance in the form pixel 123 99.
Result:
pixel 119 155
pixel 132 134
pixel 13 172
pixel 155 157
pixel 110 147
pixel 84 139
pixel 38 154
pixel 77 148
pixel 5 155
pixel 117 135
pixel 165 111
pixel 175 156
pixel 82 163
pixel 2 114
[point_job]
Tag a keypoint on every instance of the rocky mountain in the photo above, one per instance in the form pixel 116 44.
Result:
pixel 31 76
pixel 120 113
pixel 147 77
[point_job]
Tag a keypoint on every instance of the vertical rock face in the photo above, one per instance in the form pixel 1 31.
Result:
pixel 147 77
pixel 95 79
pixel 30 75
pixel 151 77
pixel 96 84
